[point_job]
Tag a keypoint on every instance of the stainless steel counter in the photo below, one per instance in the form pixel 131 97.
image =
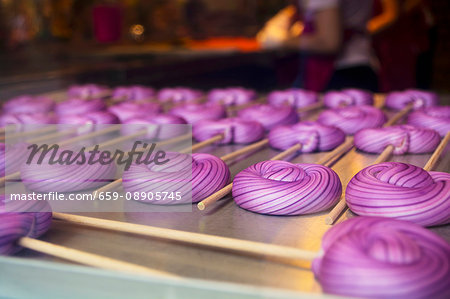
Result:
pixel 225 218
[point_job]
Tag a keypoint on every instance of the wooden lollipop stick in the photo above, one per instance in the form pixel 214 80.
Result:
pixel 244 150
pixel 341 206
pixel 437 153
pixel 204 143
pixel 399 115
pixel 52 136
pixel 89 259
pixel 256 248
pixel 311 107
pixel 227 189
pixel 330 157
pixel 106 130
pixel 45 129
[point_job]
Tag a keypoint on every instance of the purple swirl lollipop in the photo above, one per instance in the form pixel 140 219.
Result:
pixel 28 104
pixel 270 116
pixel 133 93
pixel 158 126
pixel 284 188
pixel 194 176
pixel 14 226
pixel 397 100
pixel 23 120
pixel 404 138
pixel 40 209
pixel 81 175
pixel 87 91
pixel 179 94
pixel 402 191
pixel 193 113
pixel 436 118
pixel 78 106
pixel 348 97
pixel 235 130
pixel 374 257
pixel 295 97
pixel 352 119
pixel 312 135
pixel 128 110
pixel 12 156
pixel 231 96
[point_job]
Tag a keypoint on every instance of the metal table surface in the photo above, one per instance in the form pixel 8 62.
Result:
pixel 225 218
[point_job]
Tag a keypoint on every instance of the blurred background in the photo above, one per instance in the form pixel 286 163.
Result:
pixel 50 44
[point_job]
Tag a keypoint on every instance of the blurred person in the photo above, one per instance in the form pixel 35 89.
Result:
pixel 403 39
pixel 334 43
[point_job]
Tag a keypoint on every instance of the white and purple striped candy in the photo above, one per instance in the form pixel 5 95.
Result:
pixel 270 116
pixel 179 94
pixel 158 126
pixel 12 156
pixel 284 188
pixel 193 113
pixel 402 191
pixel 352 119
pixel 375 257
pixel 347 97
pixel 294 97
pixel 404 138
pixel 235 130
pixel 194 176
pixel 76 106
pixel 133 93
pixel 28 104
pixel 312 135
pixel 397 100
pixel 436 118
pixel 127 110
pixel 231 96
pixel 87 91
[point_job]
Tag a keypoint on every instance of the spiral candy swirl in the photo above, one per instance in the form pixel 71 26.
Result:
pixel 231 96
pixel 399 99
pixel 87 91
pixel 235 130
pixel 270 116
pixel 23 120
pixel 312 135
pixel 178 94
pixel 374 257
pixel 404 138
pixel 127 110
pixel 76 106
pixel 28 104
pixel 352 119
pixel 402 191
pixel 295 97
pixel 283 188
pixel 159 126
pixel 436 118
pixel 133 93
pixel 195 177
pixel 193 113
pixel 348 97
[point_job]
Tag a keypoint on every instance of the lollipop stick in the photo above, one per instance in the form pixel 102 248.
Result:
pixel 107 130
pixel 250 247
pixel 52 136
pixel 399 115
pixel 329 158
pixel 204 143
pixel 227 189
pixel 437 153
pixel 311 107
pixel 244 150
pixel 89 259
pixel 45 129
